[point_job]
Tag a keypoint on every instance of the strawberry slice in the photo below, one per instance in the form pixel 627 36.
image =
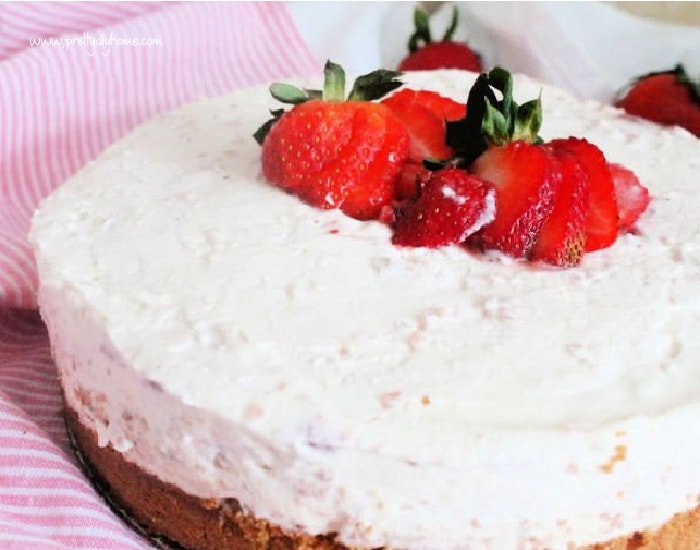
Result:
pixel 602 225
pixel 525 179
pixel 453 205
pixel 413 177
pixel 562 240
pixel 632 197
pixel 424 114
pixel 444 107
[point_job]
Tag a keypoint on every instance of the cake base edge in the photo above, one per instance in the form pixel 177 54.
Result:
pixel 174 520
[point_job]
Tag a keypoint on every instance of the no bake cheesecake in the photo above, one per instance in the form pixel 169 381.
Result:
pixel 246 371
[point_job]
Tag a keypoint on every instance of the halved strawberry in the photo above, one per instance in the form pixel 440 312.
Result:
pixel 525 179
pixel 424 114
pixel 562 239
pixel 453 205
pixel 632 197
pixel 602 224
pixel 336 153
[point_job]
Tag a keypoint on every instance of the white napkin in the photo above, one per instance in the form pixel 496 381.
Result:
pixel 591 49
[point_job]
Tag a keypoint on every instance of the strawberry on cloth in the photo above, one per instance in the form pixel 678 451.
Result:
pixel 426 54
pixel 671 98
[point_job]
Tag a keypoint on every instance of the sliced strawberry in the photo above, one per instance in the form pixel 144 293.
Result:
pixel 444 107
pixel 562 240
pixel 424 114
pixel 602 225
pixel 525 177
pixel 453 205
pixel 413 177
pixel 632 197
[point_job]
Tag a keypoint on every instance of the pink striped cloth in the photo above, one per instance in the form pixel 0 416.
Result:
pixel 61 103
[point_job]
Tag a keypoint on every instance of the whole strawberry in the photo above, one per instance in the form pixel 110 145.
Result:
pixel 426 55
pixel 670 98
pixel 336 153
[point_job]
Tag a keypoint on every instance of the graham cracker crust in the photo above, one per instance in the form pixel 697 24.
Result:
pixel 174 520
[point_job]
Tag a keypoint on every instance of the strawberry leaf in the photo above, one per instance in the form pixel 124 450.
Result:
pixel 286 93
pixel 261 133
pixel 333 82
pixel 491 121
pixel 465 136
pixel 450 31
pixel 495 124
pixel 374 85
pixel 421 34
pixel 527 121
pixel 682 77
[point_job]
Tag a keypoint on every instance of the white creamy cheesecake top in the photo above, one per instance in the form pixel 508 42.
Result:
pixel 239 343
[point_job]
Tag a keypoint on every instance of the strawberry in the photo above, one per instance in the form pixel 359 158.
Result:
pixel 424 114
pixel 632 197
pixel 562 239
pixel 602 224
pixel 452 205
pixel 413 177
pixel 670 98
pixel 444 107
pixel 498 141
pixel 524 176
pixel 334 153
pixel 426 55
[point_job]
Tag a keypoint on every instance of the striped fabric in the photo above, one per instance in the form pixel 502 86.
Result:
pixel 60 105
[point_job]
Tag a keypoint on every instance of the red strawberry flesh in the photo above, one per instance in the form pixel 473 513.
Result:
pixel 562 240
pixel 452 206
pixel 424 114
pixel 632 197
pixel 442 55
pixel 337 155
pixel 602 224
pixel 667 98
pixel 524 176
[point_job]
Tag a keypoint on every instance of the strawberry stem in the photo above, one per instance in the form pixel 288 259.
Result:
pixel 374 85
pixel 682 77
pixel 333 82
pixel 450 31
pixel 421 34
pixel 491 121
